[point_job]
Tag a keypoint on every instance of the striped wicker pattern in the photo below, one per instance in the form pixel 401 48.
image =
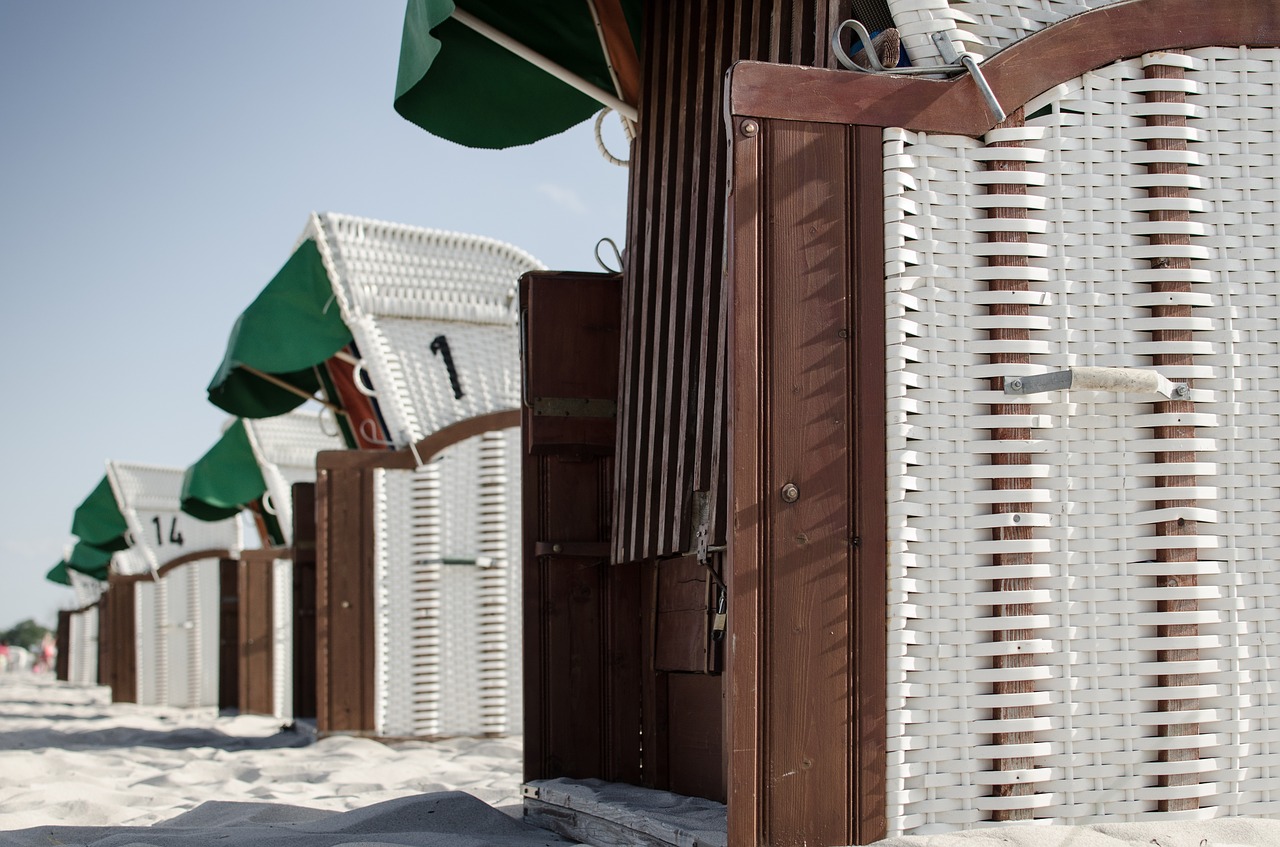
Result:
pixel 152 650
pixel 1082 584
pixel 402 288
pixel 981 27
pixel 185 632
pixel 286 447
pixel 149 498
pixel 282 638
pixel 445 639
pixel 83 667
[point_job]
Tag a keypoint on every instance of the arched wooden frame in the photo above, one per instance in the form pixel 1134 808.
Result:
pixel 344 568
pixel 815 189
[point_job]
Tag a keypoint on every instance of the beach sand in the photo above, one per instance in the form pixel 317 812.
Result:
pixel 77 770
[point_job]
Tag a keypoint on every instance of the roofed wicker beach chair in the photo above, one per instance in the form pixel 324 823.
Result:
pixel 433 315
pixel 171 578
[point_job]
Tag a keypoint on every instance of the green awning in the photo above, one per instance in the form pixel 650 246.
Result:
pixel 58 574
pixel 292 326
pixel 224 480
pixel 90 560
pixel 98 520
pixel 460 85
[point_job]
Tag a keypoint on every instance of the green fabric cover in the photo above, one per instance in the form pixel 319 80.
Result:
pixel 224 479
pixel 292 326
pixel 98 520
pixel 480 94
pixel 91 560
pixel 58 574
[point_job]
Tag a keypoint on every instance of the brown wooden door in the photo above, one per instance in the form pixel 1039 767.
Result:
pixel 582 637
pixel 304 600
pixel 228 635
pixel 120 605
pixel 255 618
pixel 62 664
pixel 807 552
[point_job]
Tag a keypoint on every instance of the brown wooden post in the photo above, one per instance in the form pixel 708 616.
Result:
pixel 62 663
pixel 255 626
pixel 1172 681
pixel 229 636
pixel 807 469
pixel 304 600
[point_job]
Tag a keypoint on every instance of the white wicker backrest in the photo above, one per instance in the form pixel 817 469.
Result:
pixel 981 27
pixel 1099 618
pixel 286 447
pixel 448 639
pixel 85 588
pixel 149 498
pixel 401 290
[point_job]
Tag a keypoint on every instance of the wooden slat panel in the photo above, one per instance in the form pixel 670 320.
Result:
pixel 671 434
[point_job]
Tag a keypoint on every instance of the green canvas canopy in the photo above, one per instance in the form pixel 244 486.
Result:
pixel 90 560
pixel 58 574
pixel 98 520
pixel 293 326
pixel 461 85
pixel 225 479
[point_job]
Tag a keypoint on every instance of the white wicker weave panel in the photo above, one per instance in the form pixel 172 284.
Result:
pixel 415 393
pixel 981 27
pixel 149 498
pixel 286 447
pixel 85 588
pixel 1095 479
pixel 282 638
pixel 447 664
pixel 152 669
pixel 394 270
pixel 189 603
pixel 83 667
pixel 402 287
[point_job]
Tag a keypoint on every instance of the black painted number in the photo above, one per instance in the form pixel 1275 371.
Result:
pixel 175 537
pixel 440 346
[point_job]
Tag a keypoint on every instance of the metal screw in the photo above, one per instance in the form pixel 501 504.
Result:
pixel 790 493
pixel 844 333
pixel 750 127
pixel 1181 391
pixel 1015 384
pixel 556 548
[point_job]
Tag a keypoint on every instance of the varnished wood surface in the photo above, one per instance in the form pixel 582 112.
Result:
pixel 806 699
pixel 255 617
pixel 1028 68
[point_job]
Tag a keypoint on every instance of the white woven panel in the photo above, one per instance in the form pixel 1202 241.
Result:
pixel 85 588
pixel 152 667
pixel 400 288
pixel 149 498
pixel 286 447
pixel 282 638
pixel 1094 736
pixel 981 27
pixel 447 664
pixel 83 666
pixel 191 596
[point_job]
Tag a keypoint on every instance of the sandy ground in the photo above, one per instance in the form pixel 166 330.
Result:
pixel 77 770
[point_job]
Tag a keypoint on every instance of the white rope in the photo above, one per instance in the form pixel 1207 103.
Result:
pixel 604 151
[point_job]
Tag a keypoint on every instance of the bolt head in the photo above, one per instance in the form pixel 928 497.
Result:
pixel 750 128
pixel 790 493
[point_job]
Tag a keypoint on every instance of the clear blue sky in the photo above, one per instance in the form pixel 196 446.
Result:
pixel 158 159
